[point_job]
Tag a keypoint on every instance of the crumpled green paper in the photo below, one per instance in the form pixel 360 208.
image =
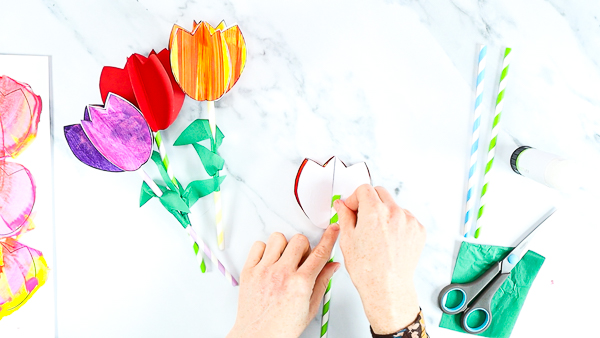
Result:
pixel 472 261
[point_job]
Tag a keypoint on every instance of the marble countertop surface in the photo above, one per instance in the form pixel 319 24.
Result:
pixel 390 83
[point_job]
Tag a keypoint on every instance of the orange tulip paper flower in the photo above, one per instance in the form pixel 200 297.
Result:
pixel 208 61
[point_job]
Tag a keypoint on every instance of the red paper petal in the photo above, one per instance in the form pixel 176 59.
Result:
pixel 178 94
pixel 116 80
pixel 153 90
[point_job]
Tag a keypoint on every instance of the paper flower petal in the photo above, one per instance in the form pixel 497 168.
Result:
pixel 85 151
pixel 17 196
pixel 148 83
pixel 23 272
pixel 116 81
pixel 316 184
pixel 178 94
pixel 119 132
pixel 20 110
pixel 200 61
pixel 152 89
pixel 237 52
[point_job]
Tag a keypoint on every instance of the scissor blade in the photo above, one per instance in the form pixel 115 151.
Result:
pixel 519 251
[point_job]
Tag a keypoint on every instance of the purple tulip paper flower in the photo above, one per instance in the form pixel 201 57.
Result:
pixel 115 137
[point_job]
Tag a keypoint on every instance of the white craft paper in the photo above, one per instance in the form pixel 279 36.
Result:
pixel 316 184
pixel 36 318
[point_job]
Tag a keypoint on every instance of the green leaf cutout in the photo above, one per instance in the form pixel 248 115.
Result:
pixel 172 201
pixel 182 220
pixel 162 170
pixel 220 138
pixel 200 188
pixel 198 131
pixel 146 194
pixel 211 161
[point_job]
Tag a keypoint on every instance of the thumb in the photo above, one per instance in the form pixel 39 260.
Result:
pixel 321 284
pixel 346 218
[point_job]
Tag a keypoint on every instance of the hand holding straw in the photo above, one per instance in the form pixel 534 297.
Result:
pixel 192 233
pixel 493 137
pixel 472 181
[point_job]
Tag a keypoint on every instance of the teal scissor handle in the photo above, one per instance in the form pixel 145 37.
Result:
pixel 482 290
pixel 483 303
pixel 468 291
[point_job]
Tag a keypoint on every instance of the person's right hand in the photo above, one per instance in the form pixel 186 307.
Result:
pixel 381 244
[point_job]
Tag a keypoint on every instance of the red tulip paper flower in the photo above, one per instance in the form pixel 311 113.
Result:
pixel 148 83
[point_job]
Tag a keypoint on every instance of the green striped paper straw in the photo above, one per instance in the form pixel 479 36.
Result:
pixel 165 159
pixel 327 295
pixel 493 138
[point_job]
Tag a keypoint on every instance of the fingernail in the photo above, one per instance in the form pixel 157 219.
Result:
pixel 337 267
pixel 336 205
pixel 335 227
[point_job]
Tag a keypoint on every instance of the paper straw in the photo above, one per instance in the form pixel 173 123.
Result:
pixel 163 155
pixel 155 189
pixel 327 295
pixel 159 193
pixel 472 181
pixel 212 121
pixel 211 256
pixel 493 137
pixel 192 233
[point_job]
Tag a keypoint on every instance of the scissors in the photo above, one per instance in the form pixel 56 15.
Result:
pixel 484 287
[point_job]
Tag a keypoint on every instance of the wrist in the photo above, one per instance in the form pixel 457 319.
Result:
pixel 392 312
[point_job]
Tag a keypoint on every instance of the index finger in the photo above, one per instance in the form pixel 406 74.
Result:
pixel 365 194
pixel 321 254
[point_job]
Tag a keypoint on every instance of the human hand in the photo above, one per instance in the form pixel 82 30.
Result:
pixel 282 284
pixel 381 244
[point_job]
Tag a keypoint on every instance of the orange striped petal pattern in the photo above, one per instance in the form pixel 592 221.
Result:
pixel 208 61
pixel 237 52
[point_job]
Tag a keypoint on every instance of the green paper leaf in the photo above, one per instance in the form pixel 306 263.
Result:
pixel 200 188
pixel 220 138
pixel 211 161
pixel 162 170
pixel 182 220
pixel 146 194
pixel 172 201
pixel 198 131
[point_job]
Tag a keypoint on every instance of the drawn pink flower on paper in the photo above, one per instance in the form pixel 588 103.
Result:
pixel 115 137
pixel 20 112
pixel 17 196
pixel 23 270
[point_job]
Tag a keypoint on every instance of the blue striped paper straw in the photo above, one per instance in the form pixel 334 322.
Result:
pixel 472 181
pixel 493 137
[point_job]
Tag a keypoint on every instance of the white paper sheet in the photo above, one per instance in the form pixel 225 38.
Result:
pixel 37 317
pixel 316 184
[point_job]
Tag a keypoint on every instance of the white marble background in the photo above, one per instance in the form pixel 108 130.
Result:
pixel 386 82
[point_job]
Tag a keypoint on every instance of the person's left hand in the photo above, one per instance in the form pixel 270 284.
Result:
pixel 282 284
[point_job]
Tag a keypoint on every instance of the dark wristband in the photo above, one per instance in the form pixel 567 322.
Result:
pixel 417 327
